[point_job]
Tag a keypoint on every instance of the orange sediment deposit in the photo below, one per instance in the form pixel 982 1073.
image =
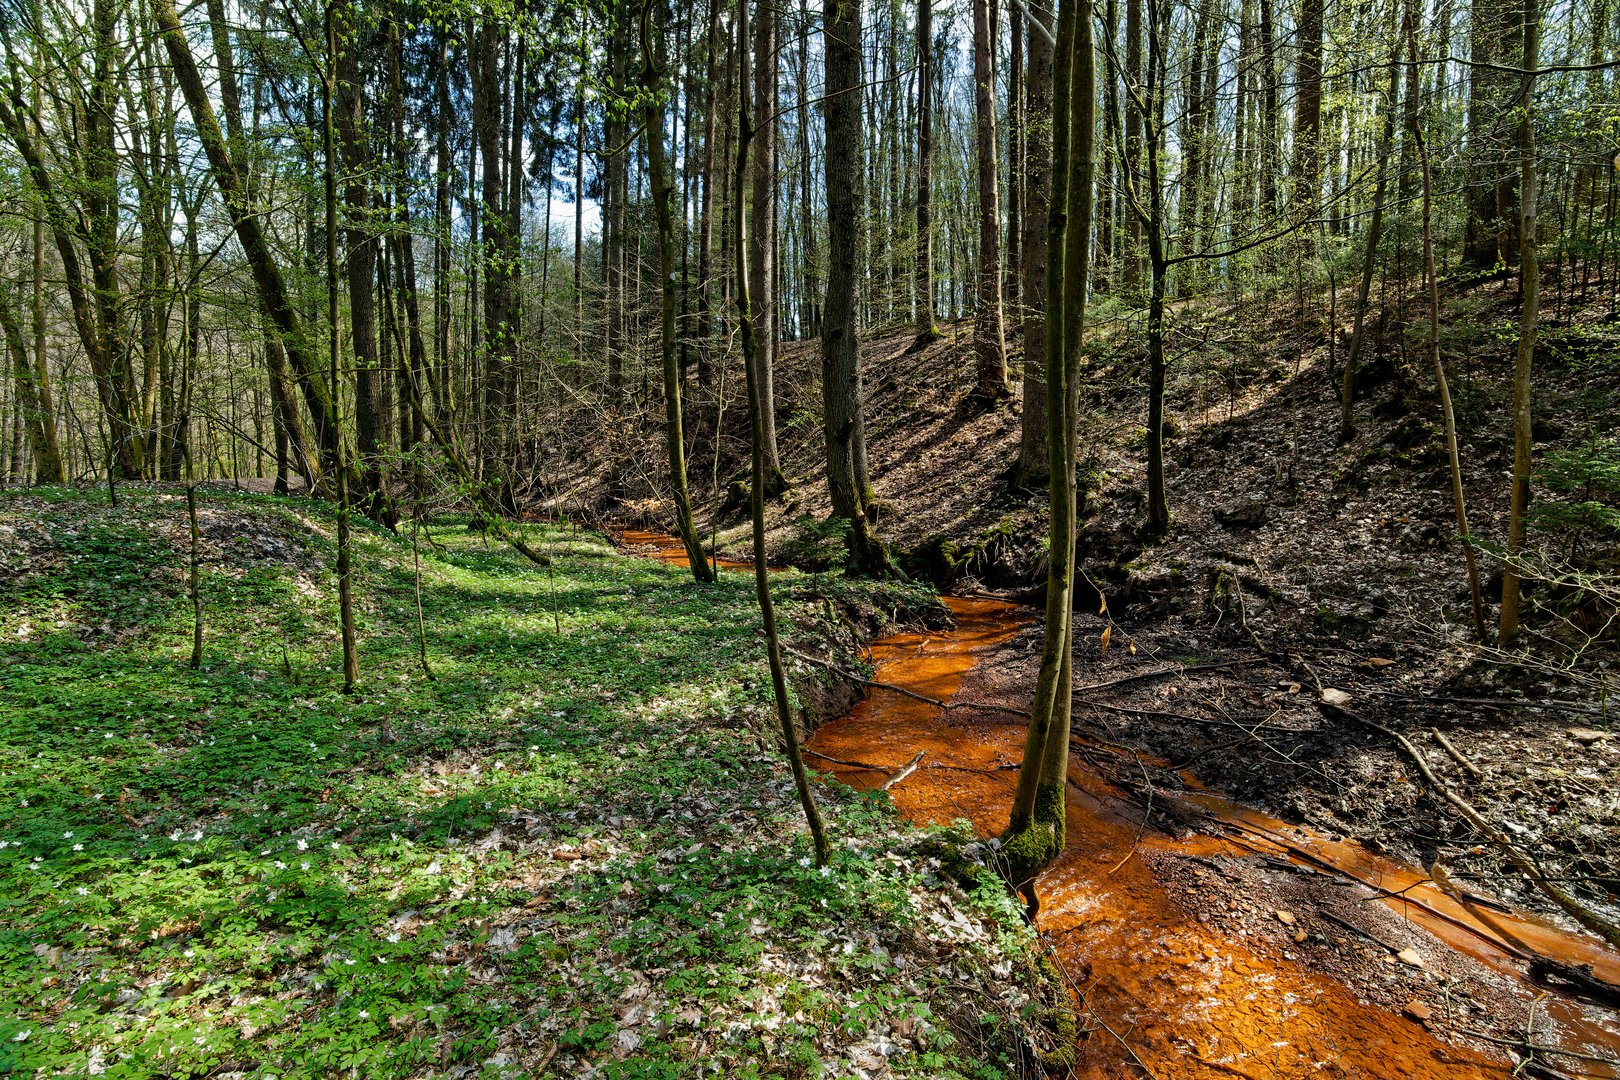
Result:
pixel 1163 991
pixel 666 548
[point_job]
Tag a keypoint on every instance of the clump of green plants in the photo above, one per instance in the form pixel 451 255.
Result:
pixel 818 545
pixel 1581 493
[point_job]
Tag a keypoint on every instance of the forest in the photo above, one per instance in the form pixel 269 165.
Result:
pixel 905 538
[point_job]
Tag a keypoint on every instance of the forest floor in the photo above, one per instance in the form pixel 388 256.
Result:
pixel 1297 562
pixel 575 850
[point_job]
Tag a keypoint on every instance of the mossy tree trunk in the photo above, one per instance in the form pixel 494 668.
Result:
pixel 1036 833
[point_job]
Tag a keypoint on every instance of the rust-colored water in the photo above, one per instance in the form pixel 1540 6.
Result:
pixel 666 548
pixel 1172 996
pixel 1179 997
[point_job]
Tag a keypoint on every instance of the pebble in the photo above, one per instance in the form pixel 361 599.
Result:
pixel 1416 1010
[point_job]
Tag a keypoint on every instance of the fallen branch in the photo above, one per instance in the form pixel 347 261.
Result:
pixel 1456 755
pixel 1577 910
pixel 1179 669
pixel 905 770
pixel 1580 976
pixel 867 765
pixel 1550 704
pixel 901 690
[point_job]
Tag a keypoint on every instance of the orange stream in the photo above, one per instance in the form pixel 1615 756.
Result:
pixel 1167 993
pixel 669 549
pixel 1178 997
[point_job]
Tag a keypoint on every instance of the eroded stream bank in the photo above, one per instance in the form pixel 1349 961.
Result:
pixel 1225 950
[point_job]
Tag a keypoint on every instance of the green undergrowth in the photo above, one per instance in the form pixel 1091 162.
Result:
pixel 576 848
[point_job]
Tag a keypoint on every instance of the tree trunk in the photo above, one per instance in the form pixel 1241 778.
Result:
pixel 1489 235
pixel 1132 170
pixel 989 338
pixel 762 242
pixel 1036 832
pixel 246 219
pixel 843 396
pixel 1033 454
pixel 653 83
pixel 1530 292
pixel 1375 227
pixel 923 275
pixel 361 266
pixel 345 568
pixel 762 581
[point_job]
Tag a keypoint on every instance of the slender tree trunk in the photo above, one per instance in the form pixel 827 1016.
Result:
pixel 361 266
pixel 1431 284
pixel 49 465
pixel 1132 275
pixel 246 219
pixel 653 85
pixel 442 169
pixel 989 338
pixel 1033 454
pixel 351 652
pixel 26 399
pixel 1012 277
pixel 1489 236
pixel 1036 832
pixel 762 582
pixel 1530 292
pixel 810 322
pixel 1375 227
pixel 923 275
pixel 761 252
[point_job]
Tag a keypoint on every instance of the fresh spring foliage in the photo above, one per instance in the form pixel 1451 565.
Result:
pixel 577 846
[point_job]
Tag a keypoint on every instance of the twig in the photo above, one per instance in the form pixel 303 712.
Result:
pixel 1141 826
pixel 936 702
pixel 1456 755
pixel 1354 929
pixel 1525 1044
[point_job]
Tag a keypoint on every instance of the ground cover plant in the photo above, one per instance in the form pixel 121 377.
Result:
pixel 575 847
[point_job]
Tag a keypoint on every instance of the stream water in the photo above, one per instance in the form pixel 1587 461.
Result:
pixel 1168 992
